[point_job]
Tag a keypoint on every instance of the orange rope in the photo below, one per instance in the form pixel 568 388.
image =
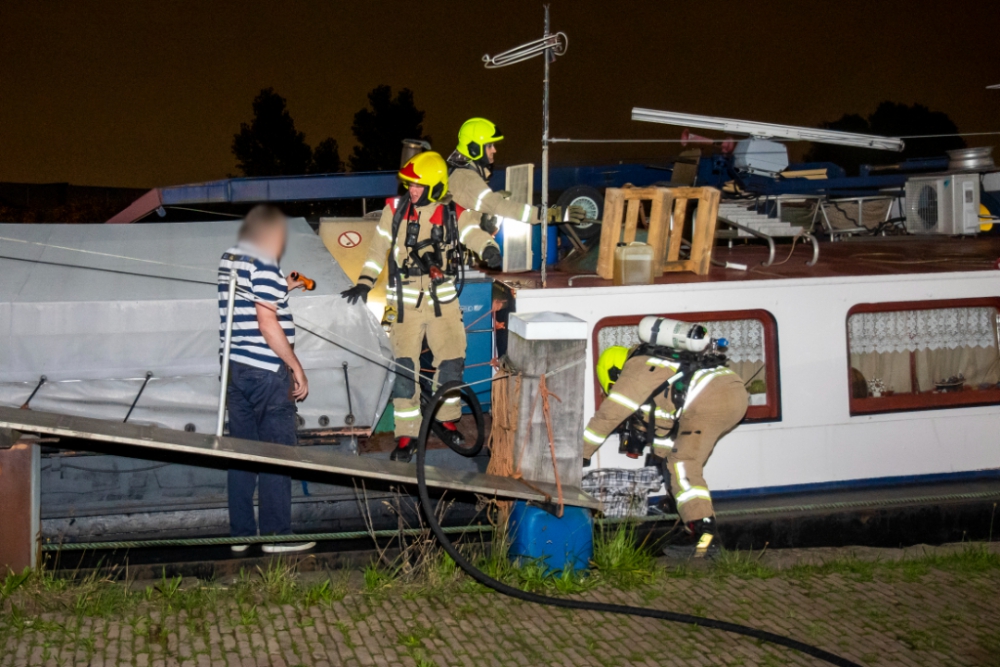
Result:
pixel 545 393
pixel 502 431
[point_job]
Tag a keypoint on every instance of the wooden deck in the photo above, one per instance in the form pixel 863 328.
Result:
pixel 849 257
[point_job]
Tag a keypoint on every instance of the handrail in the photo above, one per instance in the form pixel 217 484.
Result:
pixel 815 244
pixel 582 275
pixel 758 234
pixel 770 241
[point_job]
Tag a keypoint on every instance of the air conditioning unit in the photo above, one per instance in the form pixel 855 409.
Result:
pixel 945 204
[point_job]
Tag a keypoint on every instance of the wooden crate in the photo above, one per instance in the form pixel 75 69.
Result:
pixel 668 205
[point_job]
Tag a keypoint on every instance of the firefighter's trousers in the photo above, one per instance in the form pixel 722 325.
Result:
pixel 446 339
pixel 718 408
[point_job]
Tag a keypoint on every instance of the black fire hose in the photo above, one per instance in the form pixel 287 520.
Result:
pixel 504 589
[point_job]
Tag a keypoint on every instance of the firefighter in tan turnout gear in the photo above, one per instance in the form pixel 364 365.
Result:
pixel 419 239
pixel 471 165
pixel 674 393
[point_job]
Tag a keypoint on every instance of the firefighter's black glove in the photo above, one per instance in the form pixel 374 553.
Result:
pixel 492 257
pixel 359 291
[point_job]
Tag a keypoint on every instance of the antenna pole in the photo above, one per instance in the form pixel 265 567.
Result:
pixel 545 153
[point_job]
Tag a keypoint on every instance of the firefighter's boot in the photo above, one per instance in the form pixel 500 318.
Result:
pixel 700 542
pixel 405 446
pixel 452 436
pixel 707 543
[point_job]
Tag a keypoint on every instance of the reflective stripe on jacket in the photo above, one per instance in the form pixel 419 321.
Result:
pixel 640 376
pixel 470 191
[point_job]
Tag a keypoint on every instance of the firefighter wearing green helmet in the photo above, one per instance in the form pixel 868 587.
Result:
pixel 679 403
pixel 470 167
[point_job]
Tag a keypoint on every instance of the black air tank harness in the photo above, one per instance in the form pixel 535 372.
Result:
pixel 439 257
pixel 688 364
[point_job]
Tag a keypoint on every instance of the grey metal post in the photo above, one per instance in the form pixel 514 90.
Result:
pixel 227 342
pixel 545 153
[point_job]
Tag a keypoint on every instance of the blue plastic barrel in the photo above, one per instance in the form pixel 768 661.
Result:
pixel 558 543
pixel 536 246
pixel 476 302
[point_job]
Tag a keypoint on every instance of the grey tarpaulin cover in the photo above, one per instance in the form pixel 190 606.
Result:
pixel 96 333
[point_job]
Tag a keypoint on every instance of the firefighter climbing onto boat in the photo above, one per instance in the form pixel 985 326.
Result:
pixel 470 167
pixel 421 235
pixel 674 393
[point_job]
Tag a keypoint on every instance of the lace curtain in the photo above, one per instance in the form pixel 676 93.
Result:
pixel 746 337
pixel 912 330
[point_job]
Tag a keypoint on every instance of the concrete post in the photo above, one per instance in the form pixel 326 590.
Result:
pixel 544 343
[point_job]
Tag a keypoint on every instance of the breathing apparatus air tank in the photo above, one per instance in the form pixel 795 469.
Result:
pixel 687 336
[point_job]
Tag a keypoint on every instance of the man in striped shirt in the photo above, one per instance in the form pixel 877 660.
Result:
pixel 265 377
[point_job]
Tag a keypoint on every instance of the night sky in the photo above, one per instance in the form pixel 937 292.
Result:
pixel 128 93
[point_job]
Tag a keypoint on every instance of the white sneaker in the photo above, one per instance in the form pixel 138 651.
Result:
pixel 287 547
pixel 238 548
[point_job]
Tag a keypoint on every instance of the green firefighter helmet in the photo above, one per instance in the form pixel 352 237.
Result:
pixel 473 136
pixel 609 366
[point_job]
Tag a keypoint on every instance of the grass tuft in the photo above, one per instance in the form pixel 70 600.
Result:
pixel 621 559
pixel 741 564
pixel 12 582
pixel 279 581
pixel 379 577
pixel 168 587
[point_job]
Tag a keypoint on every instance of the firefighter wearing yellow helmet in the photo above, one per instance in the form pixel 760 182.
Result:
pixel 419 240
pixel 678 401
pixel 471 165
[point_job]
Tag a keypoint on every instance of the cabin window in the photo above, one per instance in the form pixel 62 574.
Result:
pixel 923 355
pixel 753 351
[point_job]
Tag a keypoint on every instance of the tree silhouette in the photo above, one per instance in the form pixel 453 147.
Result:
pixel 326 157
pixel 380 128
pixel 891 119
pixel 270 145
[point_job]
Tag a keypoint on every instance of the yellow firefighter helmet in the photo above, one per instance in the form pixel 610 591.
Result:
pixel 430 170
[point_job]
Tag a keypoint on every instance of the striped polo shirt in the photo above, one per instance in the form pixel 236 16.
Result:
pixel 258 278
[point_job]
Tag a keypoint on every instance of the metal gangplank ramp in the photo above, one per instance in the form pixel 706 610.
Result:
pixel 269 454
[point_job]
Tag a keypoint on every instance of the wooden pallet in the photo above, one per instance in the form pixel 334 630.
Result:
pixel 668 205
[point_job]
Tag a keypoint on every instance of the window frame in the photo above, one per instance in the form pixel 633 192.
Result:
pixel 863 407
pixel 771 412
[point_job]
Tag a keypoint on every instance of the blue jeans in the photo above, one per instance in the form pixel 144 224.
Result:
pixel 260 408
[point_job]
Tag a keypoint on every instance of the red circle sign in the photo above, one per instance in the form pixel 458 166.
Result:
pixel 349 239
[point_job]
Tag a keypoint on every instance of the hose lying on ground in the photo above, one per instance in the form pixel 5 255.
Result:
pixel 504 589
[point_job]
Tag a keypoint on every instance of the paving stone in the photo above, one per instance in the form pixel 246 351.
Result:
pixel 937 618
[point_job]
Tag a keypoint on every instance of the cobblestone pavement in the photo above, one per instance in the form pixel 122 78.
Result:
pixel 874 615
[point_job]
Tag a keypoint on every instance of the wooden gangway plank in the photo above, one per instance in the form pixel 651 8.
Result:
pixel 269 454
